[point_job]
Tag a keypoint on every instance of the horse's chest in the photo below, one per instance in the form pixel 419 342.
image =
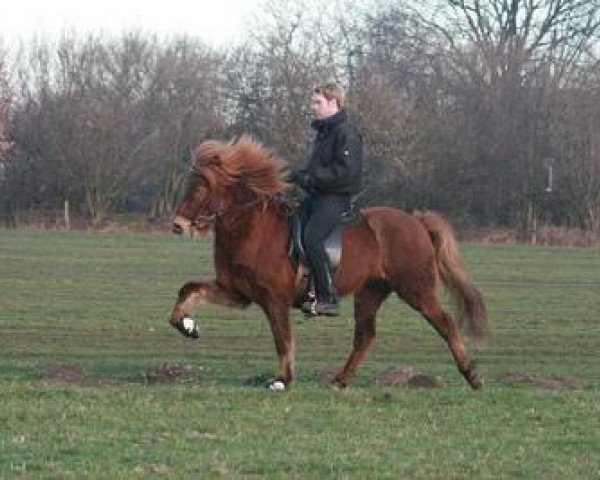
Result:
pixel 235 275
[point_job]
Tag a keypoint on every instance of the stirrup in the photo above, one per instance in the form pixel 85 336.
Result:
pixel 310 305
pixel 329 309
pixel 309 308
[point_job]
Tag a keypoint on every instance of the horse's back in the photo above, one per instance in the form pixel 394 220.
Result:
pixel 397 230
pixel 389 244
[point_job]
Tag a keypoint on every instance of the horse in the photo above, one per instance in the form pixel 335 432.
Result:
pixel 238 190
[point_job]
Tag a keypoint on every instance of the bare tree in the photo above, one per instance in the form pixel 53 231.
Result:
pixel 268 81
pixel 107 123
pixel 394 138
pixel 503 62
pixel 6 95
pixel 102 130
pixel 184 105
pixel 82 127
pixel 460 103
pixel 576 141
pixel 293 47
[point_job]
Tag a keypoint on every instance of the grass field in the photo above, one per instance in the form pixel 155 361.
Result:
pixel 100 302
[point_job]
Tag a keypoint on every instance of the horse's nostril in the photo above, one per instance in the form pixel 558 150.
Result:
pixel 177 229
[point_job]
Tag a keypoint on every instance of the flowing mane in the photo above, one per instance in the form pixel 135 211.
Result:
pixel 245 163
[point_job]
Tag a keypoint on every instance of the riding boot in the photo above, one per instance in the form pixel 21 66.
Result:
pixel 326 302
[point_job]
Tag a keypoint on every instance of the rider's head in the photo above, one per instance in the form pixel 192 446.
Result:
pixel 327 100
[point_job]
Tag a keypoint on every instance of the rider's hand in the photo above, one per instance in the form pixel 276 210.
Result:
pixel 303 179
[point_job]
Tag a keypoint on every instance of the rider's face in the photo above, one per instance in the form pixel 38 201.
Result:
pixel 323 108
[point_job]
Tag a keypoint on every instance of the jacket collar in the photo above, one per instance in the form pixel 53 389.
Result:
pixel 324 124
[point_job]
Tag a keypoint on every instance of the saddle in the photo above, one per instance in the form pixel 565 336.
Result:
pixel 333 243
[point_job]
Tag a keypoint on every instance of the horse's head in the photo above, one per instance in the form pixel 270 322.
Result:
pixel 201 203
pixel 227 180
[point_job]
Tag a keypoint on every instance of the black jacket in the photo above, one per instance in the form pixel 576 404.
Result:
pixel 334 164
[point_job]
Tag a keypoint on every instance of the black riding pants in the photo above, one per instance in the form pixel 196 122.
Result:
pixel 324 214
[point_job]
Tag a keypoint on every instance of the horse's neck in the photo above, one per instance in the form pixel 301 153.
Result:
pixel 241 257
pixel 239 234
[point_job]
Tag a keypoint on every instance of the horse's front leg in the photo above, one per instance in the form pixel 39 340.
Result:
pixel 194 294
pixel 279 320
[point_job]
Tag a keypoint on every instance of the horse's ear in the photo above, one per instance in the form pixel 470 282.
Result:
pixel 214 158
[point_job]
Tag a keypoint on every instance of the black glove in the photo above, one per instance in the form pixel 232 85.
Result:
pixel 303 179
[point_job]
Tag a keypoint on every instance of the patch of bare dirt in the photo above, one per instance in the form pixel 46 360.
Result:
pixel 407 376
pixel 159 374
pixel 172 373
pixel 326 373
pixel 543 382
pixel 72 374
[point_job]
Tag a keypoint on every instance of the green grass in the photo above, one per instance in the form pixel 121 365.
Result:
pixel 101 302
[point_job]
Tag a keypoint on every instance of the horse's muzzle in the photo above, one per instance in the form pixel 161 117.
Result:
pixel 180 225
pixel 177 229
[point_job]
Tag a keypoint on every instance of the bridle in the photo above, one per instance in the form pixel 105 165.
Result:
pixel 199 218
pixel 210 218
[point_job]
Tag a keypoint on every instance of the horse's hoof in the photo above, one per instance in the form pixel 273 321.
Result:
pixel 475 381
pixel 276 385
pixel 337 385
pixel 188 327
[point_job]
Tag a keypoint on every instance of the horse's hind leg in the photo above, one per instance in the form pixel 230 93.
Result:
pixel 366 303
pixel 430 308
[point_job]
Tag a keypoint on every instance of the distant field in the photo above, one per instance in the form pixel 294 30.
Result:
pixel 91 309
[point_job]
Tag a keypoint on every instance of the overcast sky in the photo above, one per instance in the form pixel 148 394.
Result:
pixel 218 22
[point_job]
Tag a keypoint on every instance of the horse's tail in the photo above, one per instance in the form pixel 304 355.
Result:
pixel 455 277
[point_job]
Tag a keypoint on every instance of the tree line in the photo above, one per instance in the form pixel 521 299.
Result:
pixel 486 110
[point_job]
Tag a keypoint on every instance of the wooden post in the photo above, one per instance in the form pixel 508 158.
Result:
pixel 67 215
pixel 531 223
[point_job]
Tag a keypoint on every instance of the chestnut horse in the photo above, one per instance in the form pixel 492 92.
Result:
pixel 237 189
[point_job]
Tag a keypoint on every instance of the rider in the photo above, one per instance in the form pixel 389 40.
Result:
pixel 331 175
